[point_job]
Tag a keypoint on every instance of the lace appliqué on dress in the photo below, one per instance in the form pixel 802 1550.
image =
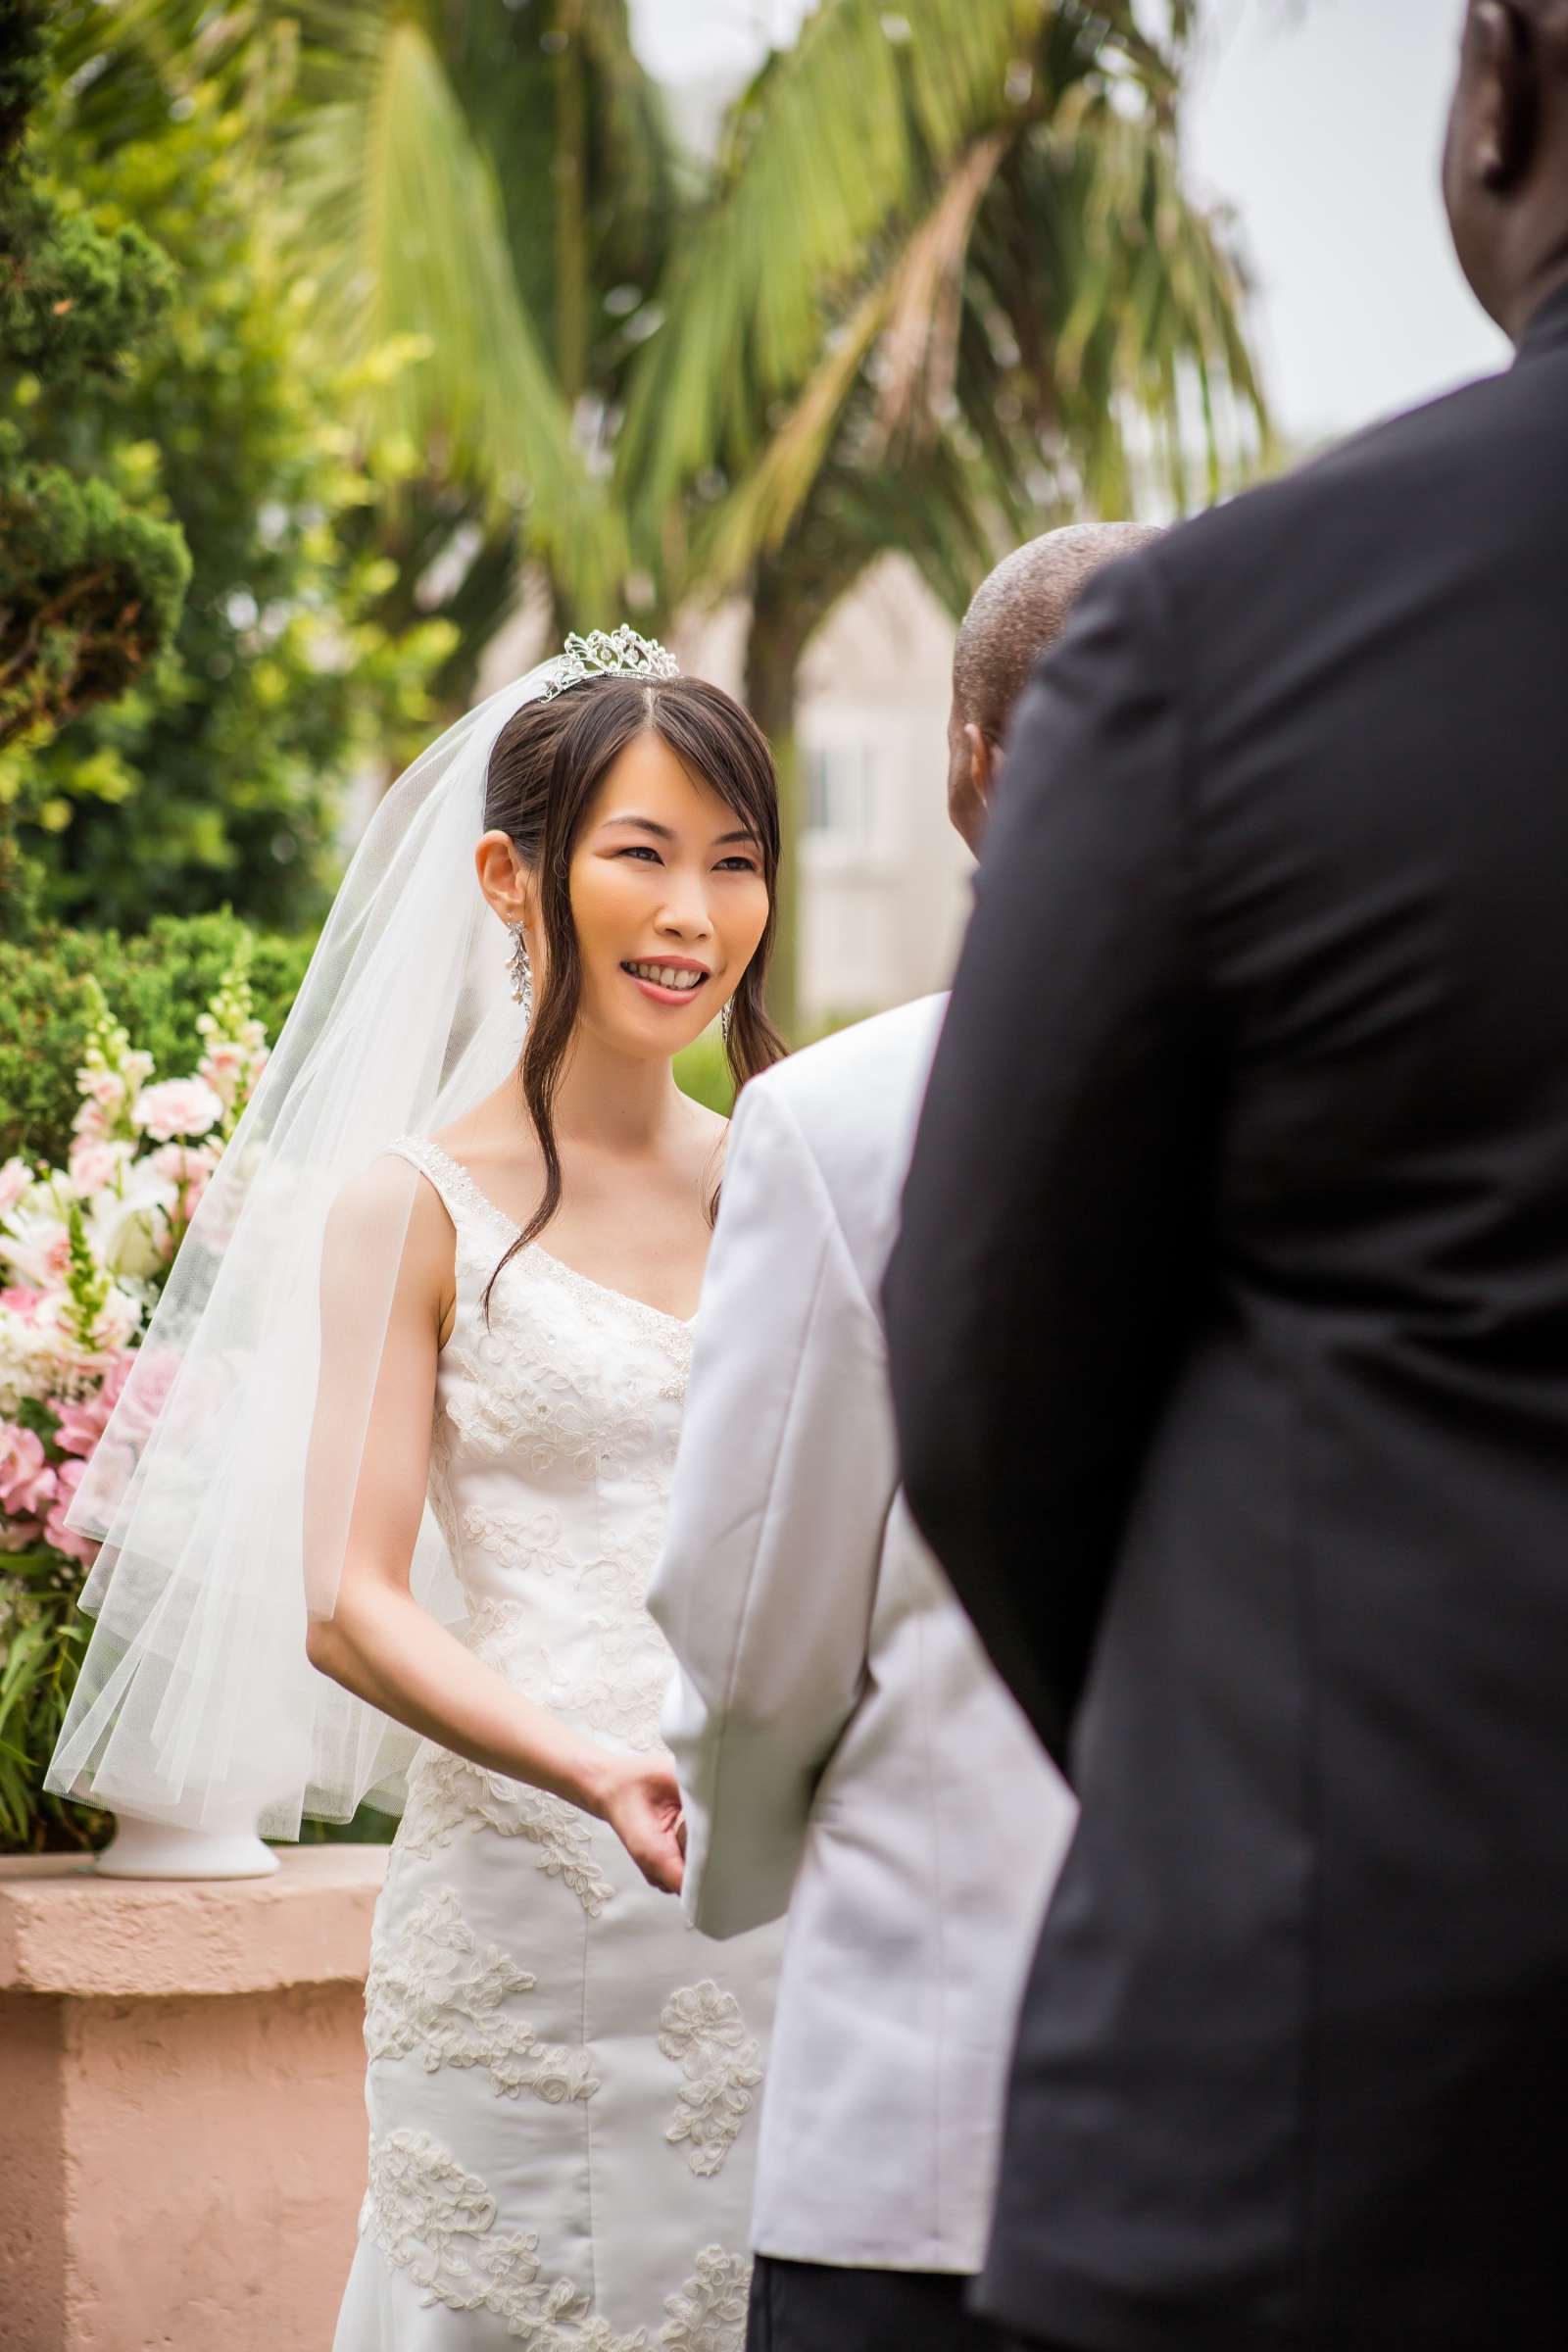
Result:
pixel 436 2221
pixel 435 1990
pixel 702 2030
pixel 619 1665
pixel 708 2315
pixel 586 1399
pixel 448 1797
pixel 528 1541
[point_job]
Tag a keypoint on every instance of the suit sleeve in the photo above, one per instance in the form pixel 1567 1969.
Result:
pixel 786 1474
pixel 1054 1212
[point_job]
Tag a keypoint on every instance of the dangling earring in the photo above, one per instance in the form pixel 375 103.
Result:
pixel 726 1021
pixel 522 971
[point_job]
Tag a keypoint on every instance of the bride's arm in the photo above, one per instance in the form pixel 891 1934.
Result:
pixel 366 1630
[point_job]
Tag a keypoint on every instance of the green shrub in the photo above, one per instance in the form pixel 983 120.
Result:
pixel 702 1072
pixel 156 983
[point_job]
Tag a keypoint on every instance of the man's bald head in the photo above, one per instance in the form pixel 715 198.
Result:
pixel 1016 614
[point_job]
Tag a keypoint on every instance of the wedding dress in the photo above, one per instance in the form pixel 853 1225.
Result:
pixel 563 2076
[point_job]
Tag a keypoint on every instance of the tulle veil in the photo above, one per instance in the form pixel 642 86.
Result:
pixel 196 1704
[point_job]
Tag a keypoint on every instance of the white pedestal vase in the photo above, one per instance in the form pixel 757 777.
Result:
pixel 163 1849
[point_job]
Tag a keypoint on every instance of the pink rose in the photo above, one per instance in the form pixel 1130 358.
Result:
pixel 177 1106
pixel 26 1482
pixel 15 1178
pixel 54 1531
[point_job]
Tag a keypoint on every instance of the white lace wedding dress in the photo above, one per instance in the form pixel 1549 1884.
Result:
pixel 563 2074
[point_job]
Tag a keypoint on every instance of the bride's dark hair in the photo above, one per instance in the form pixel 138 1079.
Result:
pixel 548 761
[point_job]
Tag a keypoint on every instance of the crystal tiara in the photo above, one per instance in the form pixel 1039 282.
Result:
pixel 615 654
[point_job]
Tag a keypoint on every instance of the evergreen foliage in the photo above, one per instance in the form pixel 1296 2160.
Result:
pixel 157 983
pixel 91 580
pixel 219 780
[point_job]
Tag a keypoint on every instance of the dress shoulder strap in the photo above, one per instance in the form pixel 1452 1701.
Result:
pixel 465 1204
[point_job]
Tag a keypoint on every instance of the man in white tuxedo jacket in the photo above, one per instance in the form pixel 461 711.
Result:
pixel 844 1747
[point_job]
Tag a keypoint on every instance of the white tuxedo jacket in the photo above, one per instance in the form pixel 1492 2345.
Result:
pixel 844 1747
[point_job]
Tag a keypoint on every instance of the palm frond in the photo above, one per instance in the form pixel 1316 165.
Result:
pixel 841 138
pixel 919 350
pixel 902 314
pixel 397 205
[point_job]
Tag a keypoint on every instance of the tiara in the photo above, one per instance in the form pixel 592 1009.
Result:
pixel 618 654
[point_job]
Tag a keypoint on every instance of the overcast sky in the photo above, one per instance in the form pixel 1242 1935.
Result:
pixel 1321 121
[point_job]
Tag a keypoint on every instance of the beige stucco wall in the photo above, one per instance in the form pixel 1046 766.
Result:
pixel 181 2105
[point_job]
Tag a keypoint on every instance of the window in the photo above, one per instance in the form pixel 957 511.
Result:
pixel 840 791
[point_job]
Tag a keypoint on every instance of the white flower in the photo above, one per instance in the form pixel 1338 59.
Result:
pixel 36 1245
pixel 130 1231
pixel 177 1106
pixel 15 1178
pixel 19 1363
pixel 118 1321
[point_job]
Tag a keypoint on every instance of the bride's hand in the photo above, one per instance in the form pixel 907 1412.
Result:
pixel 640 1799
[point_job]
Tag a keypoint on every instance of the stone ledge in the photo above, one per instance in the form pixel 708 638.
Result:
pixel 65 1932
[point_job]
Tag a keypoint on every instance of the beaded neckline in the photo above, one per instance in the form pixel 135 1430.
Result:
pixel 571 1278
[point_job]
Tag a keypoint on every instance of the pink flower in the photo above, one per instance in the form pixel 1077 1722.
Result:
pixel 178 1107
pixel 94 1164
pixel 222 1064
pixel 54 1531
pixel 84 1420
pixel 15 1178
pixel 189 1167
pixel 157 1371
pixel 26 1482
pixel 21 1301
pixel 19 1534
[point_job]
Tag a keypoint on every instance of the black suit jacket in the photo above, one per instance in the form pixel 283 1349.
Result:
pixel 1230 1339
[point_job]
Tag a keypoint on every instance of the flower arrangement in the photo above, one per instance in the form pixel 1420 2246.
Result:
pixel 84 1252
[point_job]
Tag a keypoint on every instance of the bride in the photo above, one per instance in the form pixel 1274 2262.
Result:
pixel 465 1438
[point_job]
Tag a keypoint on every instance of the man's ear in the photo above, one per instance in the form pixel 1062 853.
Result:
pixel 1502 110
pixel 982 763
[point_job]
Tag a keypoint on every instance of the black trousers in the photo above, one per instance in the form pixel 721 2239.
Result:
pixel 817 2307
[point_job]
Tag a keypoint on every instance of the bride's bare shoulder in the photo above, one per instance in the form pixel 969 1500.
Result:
pixel 390 1207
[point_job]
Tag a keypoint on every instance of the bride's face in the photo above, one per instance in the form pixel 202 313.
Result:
pixel 668 899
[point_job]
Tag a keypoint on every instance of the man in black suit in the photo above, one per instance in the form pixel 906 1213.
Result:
pixel 1229 1333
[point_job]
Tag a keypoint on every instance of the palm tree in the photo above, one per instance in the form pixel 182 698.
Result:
pixel 991 306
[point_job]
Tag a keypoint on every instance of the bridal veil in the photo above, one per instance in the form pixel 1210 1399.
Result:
pixel 196 1704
